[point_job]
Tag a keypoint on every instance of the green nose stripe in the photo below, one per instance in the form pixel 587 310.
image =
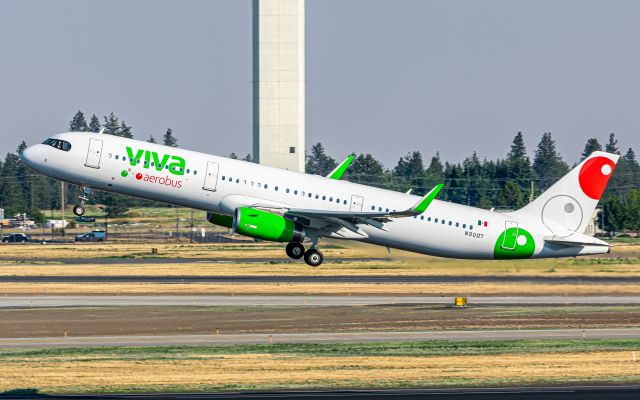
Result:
pixel 523 241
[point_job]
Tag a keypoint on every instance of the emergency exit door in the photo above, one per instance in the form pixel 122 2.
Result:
pixel 94 153
pixel 510 235
pixel 211 177
pixel 356 203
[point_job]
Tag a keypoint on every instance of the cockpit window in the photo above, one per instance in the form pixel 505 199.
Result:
pixel 58 144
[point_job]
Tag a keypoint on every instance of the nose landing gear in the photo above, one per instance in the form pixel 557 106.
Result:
pixel 79 209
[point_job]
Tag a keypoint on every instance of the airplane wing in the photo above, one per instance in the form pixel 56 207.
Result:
pixel 349 219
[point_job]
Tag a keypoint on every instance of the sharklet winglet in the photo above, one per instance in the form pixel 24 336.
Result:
pixel 342 168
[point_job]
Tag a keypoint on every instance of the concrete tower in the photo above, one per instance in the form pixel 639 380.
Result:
pixel 278 83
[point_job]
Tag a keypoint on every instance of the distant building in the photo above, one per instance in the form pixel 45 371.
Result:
pixel 592 228
pixel 279 84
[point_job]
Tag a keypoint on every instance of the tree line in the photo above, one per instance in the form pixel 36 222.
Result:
pixel 508 182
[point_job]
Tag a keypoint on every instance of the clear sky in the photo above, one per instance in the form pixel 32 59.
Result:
pixel 384 77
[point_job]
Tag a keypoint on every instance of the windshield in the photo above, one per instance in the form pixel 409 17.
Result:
pixel 58 144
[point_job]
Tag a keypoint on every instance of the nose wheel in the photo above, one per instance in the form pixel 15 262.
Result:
pixel 78 210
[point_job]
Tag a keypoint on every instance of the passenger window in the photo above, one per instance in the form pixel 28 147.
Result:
pixel 435 220
pixel 344 201
pixel 429 219
pixel 450 223
pixel 470 227
pixel 317 196
pixel 443 221
pixel 330 198
pixel 195 172
pixel 324 197
pixel 310 195
pixel 276 189
pixel 287 190
pixel 117 157
pixel 422 217
pixel 237 180
pixel 373 208
pixel 266 186
pixel 295 192
pixel 457 224
pixel 464 226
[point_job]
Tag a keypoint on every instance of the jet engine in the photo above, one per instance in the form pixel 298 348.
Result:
pixel 264 225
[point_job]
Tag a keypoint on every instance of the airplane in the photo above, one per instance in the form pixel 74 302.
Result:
pixel 289 207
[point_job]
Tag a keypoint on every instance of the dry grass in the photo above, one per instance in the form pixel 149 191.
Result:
pixel 103 373
pixel 402 263
pixel 409 289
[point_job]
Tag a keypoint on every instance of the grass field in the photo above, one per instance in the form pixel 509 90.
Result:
pixel 380 365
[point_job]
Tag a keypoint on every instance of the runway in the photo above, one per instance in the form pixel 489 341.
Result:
pixel 223 301
pixel 174 260
pixel 173 279
pixel 318 337
pixel 611 392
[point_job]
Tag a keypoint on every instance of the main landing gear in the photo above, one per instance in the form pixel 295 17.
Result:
pixel 79 209
pixel 313 257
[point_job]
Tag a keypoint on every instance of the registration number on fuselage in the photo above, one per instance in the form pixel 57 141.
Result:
pixel 474 234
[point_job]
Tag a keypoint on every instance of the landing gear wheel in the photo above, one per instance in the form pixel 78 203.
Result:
pixel 295 250
pixel 78 210
pixel 313 257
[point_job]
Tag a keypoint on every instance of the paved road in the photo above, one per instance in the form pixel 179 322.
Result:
pixel 213 301
pixel 173 279
pixel 323 337
pixel 515 393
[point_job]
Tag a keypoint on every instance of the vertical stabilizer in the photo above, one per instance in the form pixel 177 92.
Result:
pixel 567 206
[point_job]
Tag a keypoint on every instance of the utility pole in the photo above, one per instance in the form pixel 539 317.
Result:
pixel 62 205
pixel 192 226
pixel 177 226
pixel 531 192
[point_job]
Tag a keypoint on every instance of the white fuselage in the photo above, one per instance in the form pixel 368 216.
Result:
pixel 220 185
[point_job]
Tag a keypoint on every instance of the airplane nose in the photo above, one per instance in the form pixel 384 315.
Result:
pixel 29 156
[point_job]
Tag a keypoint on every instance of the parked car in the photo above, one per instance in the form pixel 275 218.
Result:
pixel 16 238
pixel 86 219
pixel 93 236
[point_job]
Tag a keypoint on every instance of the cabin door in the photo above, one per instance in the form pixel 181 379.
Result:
pixel 510 235
pixel 94 153
pixel 211 177
pixel 356 203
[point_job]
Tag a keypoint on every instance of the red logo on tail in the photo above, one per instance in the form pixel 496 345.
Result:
pixel 594 175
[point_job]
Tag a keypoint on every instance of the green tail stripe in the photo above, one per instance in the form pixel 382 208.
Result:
pixel 422 207
pixel 342 168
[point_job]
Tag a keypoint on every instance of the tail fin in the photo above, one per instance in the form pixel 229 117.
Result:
pixel 567 206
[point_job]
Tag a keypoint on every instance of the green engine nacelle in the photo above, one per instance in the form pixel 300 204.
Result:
pixel 267 226
pixel 220 219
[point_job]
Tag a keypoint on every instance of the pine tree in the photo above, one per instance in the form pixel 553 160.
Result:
pixel 111 124
pixel 94 124
pixel 319 163
pixel 247 158
pixel 548 164
pixel 78 123
pixel 169 139
pixel 591 146
pixel 151 139
pixel 366 170
pixel 410 171
pixel 511 196
pixel 518 164
pixel 125 131
pixel 11 194
pixel 233 156
pixel 612 145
